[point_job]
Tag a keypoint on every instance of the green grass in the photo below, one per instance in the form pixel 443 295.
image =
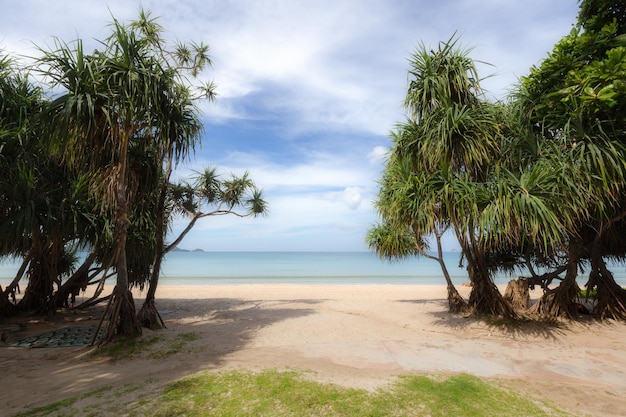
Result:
pixel 592 294
pixel 126 347
pixel 155 346
pixel 273 393
pixel 178 344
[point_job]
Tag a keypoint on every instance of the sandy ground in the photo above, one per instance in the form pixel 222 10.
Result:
pixel 360 336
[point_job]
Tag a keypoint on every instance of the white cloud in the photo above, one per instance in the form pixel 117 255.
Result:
pixel 308 91
pixel 350 196
pixel 378 154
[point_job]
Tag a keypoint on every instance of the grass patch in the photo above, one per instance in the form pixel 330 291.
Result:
pixel 59 408
pixel 591 294
pixel 126 347
pixel 176 345
pixel 273 393
pixel 277 394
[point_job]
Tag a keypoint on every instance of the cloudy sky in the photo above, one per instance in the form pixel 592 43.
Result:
pixel 308 92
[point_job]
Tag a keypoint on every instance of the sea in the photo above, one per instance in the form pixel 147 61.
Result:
pixel 328 268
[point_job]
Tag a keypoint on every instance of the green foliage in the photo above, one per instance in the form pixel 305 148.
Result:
pixel 588 293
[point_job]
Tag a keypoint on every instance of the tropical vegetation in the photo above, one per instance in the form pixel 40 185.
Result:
pixel 532 183
pixel 89 168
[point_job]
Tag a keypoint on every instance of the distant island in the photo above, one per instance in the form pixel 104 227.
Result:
pixel 177 249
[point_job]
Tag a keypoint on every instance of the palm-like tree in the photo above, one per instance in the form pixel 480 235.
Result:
pixel 116 100
pixel 208 195
pixel 38 217
pixel 575 100
pixel 412 206
pixel 455 134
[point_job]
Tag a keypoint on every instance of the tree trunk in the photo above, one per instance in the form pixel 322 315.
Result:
pixel 558 302
pixel 66 294
pixel 611 298
pixel 121 311
pixel 456 303
pixel 42 273
pixel 148 315
pixel 484 298
pixel 517 294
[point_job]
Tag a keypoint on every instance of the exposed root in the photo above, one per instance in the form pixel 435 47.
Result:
pixel 149 316
pixel 517 294
pixel 557 302
pixel 485 299
pixel 121 317
pixel 456 303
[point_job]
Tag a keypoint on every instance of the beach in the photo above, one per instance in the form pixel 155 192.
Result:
pixel 353 335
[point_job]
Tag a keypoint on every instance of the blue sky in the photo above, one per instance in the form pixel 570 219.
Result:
pixel 308 92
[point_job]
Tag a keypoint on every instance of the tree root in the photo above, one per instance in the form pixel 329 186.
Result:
pixel 149 317
pixel 556 303
pixel 611 302
pixel 517 294
pixel 485 299
pixel 120 314
pixel 456 303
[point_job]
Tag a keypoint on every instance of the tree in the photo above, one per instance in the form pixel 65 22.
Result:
pixel 116 100
pixel 575 99
pixel 208 195
pixel 449 141
pixel 411 206
pixel 39 212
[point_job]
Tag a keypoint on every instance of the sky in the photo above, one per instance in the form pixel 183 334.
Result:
pixel 308 92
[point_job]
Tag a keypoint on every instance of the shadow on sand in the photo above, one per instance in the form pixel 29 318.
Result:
pixel 200 333
pixel 520 328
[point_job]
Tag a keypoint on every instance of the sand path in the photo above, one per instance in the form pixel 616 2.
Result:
pixel 360 336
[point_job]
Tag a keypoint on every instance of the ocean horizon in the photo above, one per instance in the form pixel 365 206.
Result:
pixel 329 268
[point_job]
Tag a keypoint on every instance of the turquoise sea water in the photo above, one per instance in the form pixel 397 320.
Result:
pixel 341 268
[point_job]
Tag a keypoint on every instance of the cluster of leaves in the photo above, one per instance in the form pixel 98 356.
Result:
pixel 536 181
pixel 90 167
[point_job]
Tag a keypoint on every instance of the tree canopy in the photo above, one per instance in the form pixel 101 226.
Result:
pixel 90 166
pixel 532 183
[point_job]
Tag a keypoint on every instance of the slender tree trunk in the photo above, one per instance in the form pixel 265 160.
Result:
pixel 121 310
pixel 148 315
pixel 456 303
pixel 65 295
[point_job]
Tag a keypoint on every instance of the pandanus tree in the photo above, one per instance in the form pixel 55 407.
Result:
pixel 39 216
pixel 412 208
pixel 118 98
pixel 575 99
pixel 207 195
pixel 449 140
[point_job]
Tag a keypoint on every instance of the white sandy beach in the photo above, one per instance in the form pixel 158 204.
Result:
pixel 360 336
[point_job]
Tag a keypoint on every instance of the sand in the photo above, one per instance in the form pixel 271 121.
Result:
pixel 357 336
